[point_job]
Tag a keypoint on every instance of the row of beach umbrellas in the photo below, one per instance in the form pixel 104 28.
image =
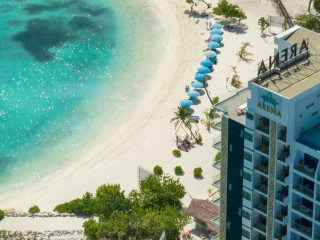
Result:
pixel 206 65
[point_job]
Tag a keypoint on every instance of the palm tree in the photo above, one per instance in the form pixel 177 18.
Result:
pixel 210 114
pixel 182 115
pixel 205 88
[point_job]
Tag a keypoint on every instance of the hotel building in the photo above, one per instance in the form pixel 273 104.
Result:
pixel 270 146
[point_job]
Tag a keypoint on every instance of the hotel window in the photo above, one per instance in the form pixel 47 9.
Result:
pixel 245 214
pixel 247 156
pixel 248 136
pixel 246 195
pixel 310 105
pixel 314 113
pixel 245 233
pixel 247 176
pixel 249 115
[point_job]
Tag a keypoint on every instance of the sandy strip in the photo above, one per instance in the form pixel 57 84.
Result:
pixel 148 136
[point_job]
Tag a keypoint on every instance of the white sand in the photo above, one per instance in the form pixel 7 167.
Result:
pixel 296 7
pixel 148 138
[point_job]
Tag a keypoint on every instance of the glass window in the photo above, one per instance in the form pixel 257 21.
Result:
pixel 247 156
pixel 245 214
pixel 248 136
pixel 247 176
pixel 314 113
pixel 249 116
pixel 246 195
pixel 245 233
pixel 230 147
pixel 310 105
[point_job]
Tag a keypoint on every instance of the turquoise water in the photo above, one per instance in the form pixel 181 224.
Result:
pixel 70 70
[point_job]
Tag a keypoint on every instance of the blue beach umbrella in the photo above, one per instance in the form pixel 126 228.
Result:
pixel 216 31
pixel 186 103
pixel 210 54
pixel 199 77
pixel 193 94
pixel 197 84
pixel 204 70
pixel 216 26
pixel 213 45
pixel 206 63
pixel 216 38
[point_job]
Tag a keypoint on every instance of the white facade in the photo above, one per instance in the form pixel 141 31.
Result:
pixel 281 180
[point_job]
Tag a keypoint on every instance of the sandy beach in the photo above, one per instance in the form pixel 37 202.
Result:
pixel 148 138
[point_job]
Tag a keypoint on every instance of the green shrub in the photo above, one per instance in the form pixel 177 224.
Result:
pixel 199 138
pixel 157 170
pixel 316 4
pixel 82 207
pixel 197 172
pixel 217 157
pixel 178 170
pixel 176 153
pixel 1 214
pixel 310 21
pixel 34 209
pixel 215 100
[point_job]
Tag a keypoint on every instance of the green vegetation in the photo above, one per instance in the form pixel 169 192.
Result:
pixel 243 52
pixel 210 115
pixel 1 215
pixel 215 100
pixel 178 170
pixel 157 170
pixel 34 209
pixel 263 23
pixel 176 153
pixel 217 157
pixel 235 80
pixel 309 21
pixel 83 207
pixel 316 4
pixel 182 116
pixel 145 214
pixel 197 172
pixel 199 138
pixel 226 9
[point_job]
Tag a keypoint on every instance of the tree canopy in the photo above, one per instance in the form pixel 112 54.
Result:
pixel 309 21
pixel 226 9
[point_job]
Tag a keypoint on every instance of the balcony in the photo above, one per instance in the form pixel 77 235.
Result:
pixel 282 195
pixel 284 154
pixel 302 228
pixel 281 235
pixel 261 226
pixel 262 206
pixel 304 210
pixel 283 176
pixel 264 147
pixel 263 125
pixel 305 169
pixel 263 167
pixel 283 135
pixel 303 189
pixel 263 187
pixel 281 215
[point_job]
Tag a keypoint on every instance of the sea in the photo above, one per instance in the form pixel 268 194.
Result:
pixel 70 70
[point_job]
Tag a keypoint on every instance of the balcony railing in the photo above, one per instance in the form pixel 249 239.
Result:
pixel 262 207
pixel 263 188
pixel 303 229
pixel 281 196
pixel 263 128
pixel 307 191
pixel 262 168
pixel 283 156
pixel 305 169
pixel 304 209
pixel 283 136
pixel 280 235
pixel 281 215
pixel 283 175
pixel 261 226
pixel 264 148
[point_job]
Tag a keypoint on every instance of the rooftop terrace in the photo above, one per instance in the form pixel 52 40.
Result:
pixel 298 74
pixel 230 102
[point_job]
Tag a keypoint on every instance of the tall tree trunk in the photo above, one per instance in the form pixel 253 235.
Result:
pixel 205 88
pixel 189 129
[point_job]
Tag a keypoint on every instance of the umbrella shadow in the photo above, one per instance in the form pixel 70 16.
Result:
pixel 201 92
pixel 237 28
pixel 207 77
pixel 197 14
pixel 196 101
pixel 190 110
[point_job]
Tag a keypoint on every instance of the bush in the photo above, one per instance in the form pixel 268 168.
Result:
pixel 199 138
pixel 176 153
pixel 197 172
pixel 217 157
pixel 178 170
pixel 158 170
pixel 309 21
pixel 215 100
pixel 316 4
pixel 82 207
pixel 1 214
pixel 34 209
